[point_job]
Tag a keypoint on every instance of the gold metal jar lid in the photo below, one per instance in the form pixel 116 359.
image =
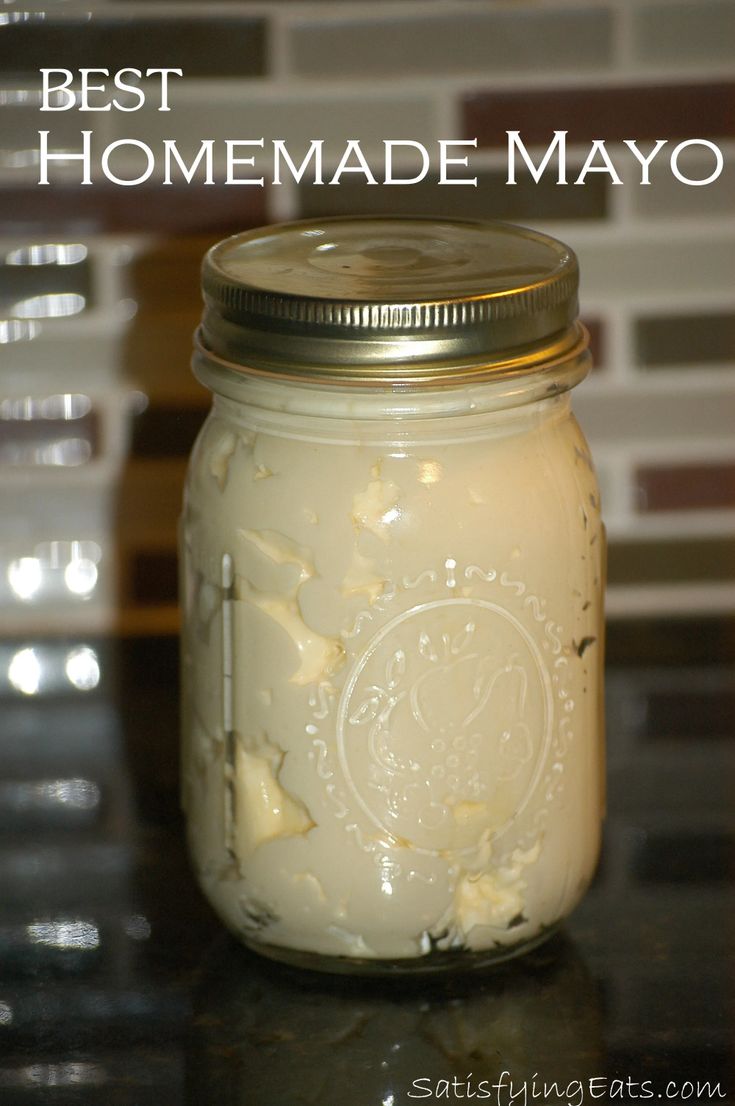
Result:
pixel 397 301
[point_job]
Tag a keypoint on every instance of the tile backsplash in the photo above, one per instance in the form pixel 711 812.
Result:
pixel 99 285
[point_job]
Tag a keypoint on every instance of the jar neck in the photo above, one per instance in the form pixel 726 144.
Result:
pixel 259 395
pixel 333 415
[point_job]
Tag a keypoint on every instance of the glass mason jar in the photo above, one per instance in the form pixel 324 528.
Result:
pixel 393 567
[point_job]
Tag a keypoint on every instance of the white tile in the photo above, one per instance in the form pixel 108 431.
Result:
pixel 677 33
pixel 226 112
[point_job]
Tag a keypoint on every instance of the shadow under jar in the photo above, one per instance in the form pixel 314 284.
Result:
pixel 393 566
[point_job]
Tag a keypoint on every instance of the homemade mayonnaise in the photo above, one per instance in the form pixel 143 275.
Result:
pixel 392 591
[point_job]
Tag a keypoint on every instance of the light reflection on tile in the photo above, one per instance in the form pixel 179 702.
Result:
pixel 19 159
pixel 13 97
pixel 25 576
pixel 21 17
pixel 40 795
pixel 56 571
pixel 64 405
pixel 64 933
pixel 58 553
pixel 137 927
pixel 62 453
pixel 53 305
pixel 82 668
pixel 80 576
pixel 49 669
pixel 48 253
pixel 69 1074
pixel 24 671
pixel 18 330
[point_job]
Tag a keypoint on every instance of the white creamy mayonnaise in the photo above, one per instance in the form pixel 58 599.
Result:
pixel 391 673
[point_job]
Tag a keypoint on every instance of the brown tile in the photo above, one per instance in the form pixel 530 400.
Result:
pixel 685 487
pixel 685 339
pixel 149 503
pixel 167 277
pixel 643 642
pixel 673 111
pixel 165 284
pixel 103 208
pixel 598 345
pixel 491 199
pixel 690 715
pixel 669 562
pixel 166 431
pixel 202 47
pixel 156 356
pixel 153 577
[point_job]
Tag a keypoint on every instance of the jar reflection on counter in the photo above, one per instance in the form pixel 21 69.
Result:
pixel 262 1034
pixel 392 606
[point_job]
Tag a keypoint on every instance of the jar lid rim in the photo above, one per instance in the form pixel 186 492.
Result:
pixel 381 290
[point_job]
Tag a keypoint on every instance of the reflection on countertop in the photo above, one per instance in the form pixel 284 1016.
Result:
pixel 300 1039
pixel 117 985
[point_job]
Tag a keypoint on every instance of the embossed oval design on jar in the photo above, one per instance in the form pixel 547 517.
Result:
pixel 444 724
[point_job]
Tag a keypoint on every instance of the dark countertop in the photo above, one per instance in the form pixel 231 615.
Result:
pixel 118 986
